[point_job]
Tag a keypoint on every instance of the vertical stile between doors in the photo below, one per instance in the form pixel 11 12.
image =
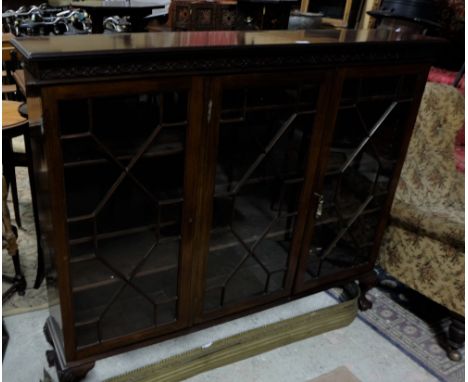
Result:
pixel 329 118
pixel 204 189
pixel 59 240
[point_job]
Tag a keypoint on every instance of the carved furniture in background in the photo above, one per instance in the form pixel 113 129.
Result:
pixel 229 14
pixel 12 125
pixel 265 14
pixel 17 153
pixel 203 15
pixel 8 85
pixel 188 178
pixel 10 236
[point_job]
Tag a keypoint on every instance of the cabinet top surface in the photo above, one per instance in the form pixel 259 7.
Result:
pixel 59 47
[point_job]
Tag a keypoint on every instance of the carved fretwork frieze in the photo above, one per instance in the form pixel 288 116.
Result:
pixel 188 64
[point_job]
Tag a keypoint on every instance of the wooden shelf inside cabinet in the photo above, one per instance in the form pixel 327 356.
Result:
pixel 93 150
pixel 91 238
pixel 339 261
pixel 102 261
pixel 97 323
pixel 91 316
pixel 166 150
pixel 345 217
pixel 220 244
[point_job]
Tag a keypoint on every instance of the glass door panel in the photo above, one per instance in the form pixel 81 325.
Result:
pixel 365 147
pixel 123 174
pixel 265 131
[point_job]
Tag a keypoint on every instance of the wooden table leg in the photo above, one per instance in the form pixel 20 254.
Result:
pixel 97 18
pixel 10 235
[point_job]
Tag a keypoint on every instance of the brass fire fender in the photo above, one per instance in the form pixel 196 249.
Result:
pixel 246 344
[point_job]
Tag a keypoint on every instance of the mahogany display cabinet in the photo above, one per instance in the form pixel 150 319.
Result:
pixel 186 178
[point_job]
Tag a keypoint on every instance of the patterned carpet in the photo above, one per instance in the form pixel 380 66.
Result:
pixel 413 323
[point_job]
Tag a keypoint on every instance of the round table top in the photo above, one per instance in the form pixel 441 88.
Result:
pixel 10 116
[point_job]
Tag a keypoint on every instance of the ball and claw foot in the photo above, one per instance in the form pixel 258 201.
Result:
pixel 367 282
pixel 456 338
pixel 364 303
pixel 50 355
pixel 47 336
pixel 56 358
pixel 20 283
pixel 454 355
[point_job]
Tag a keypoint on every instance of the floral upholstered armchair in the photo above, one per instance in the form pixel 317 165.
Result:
pixel 423 245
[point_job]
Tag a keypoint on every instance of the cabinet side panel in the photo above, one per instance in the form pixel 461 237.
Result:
pixel 58 248
pixel 43 200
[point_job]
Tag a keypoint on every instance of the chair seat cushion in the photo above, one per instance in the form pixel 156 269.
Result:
pixel 442 223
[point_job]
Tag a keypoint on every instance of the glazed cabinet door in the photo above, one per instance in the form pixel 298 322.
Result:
pixel 263 128
pixel 363 151
pixel 122 193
